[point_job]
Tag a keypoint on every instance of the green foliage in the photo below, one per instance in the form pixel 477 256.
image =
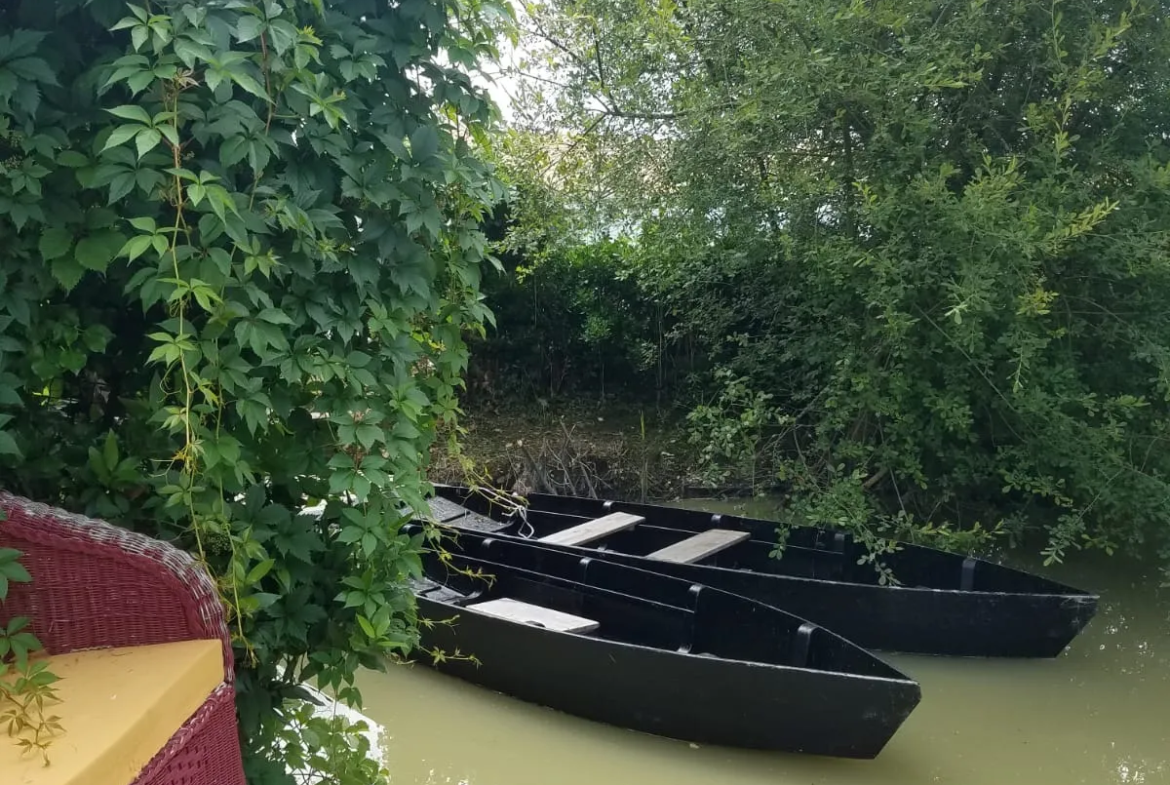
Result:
pixel 315 741
pixel 239 256
pixel 738 434
pixel 26 685
pixel 569 319
pixel 934 232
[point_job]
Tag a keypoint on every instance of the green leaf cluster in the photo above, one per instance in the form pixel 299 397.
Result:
pixel 934 232
pixel 239 254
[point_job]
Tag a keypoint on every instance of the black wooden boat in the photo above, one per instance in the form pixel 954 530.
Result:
pixel 943 603
pixel 680 660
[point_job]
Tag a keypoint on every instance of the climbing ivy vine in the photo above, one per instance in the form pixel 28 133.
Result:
pixel 239 256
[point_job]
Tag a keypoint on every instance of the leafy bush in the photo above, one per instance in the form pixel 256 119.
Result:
pixel 570 319
pixel 738 434
pixel 239 253
pixel 932 231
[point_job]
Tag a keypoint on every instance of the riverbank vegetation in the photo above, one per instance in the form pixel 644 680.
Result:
pixel 904 262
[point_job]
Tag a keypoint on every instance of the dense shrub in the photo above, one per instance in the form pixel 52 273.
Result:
pixel 573 321
pixel 934 231
pixel 239 252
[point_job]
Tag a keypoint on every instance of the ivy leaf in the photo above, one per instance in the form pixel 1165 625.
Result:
pixel 55 242
pixel 140 81
pixel 72 159
pixel 233 150
pixel 274 316
pixel 98 250
pixel 248 27
pixel 368 435
pixel 283 35
pixel 147 140
pixel 21 43
pixel 350 534
pixel 131 112
pixel 138 36
pixel 369 544
pixel 259 571
pixel 196 193
pixel 170 133
pixel 120 186
pixel 9 396
pixel 251 85
pixel 424 143
pixel 67 271
pixel 32 68
pixel 121 135
pixel 8 446
pixel 136 246
pixel 189 51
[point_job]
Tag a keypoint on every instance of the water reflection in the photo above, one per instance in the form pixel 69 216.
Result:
pixel 1099 713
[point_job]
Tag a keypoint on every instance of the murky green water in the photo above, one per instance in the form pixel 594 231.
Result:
pixel 1098 714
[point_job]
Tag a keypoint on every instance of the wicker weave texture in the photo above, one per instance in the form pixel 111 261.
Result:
pixel 205 751
pixel 96 585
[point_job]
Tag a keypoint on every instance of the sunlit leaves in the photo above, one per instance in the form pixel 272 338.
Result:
pixel 145 27
pixel 228 67
pixel 146 131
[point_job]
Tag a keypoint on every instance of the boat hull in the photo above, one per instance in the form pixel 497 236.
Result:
pixel 684 694
pixel 904 619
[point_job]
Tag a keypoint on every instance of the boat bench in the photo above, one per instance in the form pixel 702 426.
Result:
pixel 136 630
pixel 536 615
pixel 700 546
pixel 593 530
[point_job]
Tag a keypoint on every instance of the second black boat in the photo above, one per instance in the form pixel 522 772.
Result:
pixel 943 603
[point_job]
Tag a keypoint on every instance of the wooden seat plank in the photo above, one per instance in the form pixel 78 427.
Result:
pixel 526 613
pixel 594 529
pixel 700 546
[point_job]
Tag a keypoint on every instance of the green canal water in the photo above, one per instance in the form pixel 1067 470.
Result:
pixel 1099 714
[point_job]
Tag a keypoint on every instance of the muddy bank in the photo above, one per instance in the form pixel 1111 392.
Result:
pixel 611 452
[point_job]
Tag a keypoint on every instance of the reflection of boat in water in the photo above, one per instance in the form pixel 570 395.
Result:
pixel 944 603
pixel 653 653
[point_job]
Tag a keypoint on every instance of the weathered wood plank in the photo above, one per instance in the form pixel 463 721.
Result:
pixel 445 510
pixel 594 529
pixel 526 613
pixel 692 549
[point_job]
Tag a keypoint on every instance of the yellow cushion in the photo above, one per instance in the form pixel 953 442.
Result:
pixel 118 708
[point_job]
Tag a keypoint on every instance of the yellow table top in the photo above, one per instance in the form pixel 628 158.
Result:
pixel 118 707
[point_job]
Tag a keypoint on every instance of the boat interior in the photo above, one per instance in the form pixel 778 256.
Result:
pixel 725 542
pixel 702 621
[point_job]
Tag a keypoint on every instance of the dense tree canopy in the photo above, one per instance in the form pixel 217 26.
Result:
pixel 936 231
pixel 239 254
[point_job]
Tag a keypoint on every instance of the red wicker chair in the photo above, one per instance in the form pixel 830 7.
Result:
pixel 99 586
